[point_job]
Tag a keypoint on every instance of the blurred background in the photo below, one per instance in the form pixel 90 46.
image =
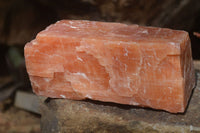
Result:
pixel 21 20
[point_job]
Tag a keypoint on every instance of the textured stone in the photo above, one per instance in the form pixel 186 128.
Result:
pixel 68 116
pixel 112 62
pixel 27 101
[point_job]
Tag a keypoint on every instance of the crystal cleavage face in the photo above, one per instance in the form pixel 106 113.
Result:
pixel 114 62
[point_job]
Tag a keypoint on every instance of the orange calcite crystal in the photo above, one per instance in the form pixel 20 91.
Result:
pixel 127 64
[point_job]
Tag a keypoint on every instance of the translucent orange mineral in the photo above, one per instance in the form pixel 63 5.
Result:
pixel 127 64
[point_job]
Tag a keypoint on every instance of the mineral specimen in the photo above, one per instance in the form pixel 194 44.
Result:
pixel 114 62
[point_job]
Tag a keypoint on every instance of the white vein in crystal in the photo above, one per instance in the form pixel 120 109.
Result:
pixel 63 96
pixel 88 96
pixel 81 74
pixel 126 54
pixel 80 59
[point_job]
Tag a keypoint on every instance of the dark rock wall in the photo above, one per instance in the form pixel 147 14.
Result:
pixel 21 20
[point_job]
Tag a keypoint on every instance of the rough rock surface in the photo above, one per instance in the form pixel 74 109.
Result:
pixel 68 116
pixel 113 62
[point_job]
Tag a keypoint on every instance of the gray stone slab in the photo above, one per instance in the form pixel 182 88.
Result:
pixel 69 116
pixel 27 101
